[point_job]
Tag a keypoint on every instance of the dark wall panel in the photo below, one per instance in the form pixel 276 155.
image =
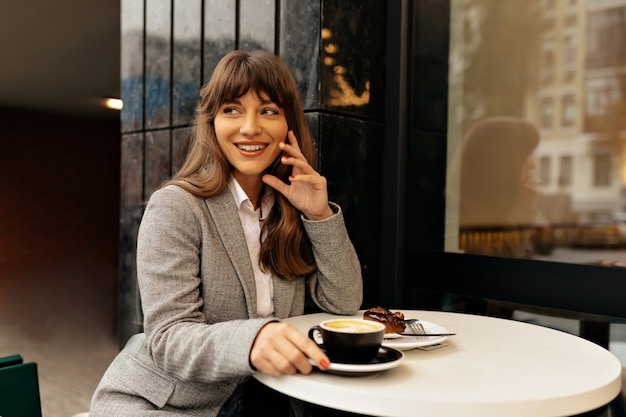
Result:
pixel 299 47
pixel 158 52
pixel 131 72
pixel 257 25
pixel 187 59
pixel 351 150
pixel 157 160
pixel 219 32
pixel 352 56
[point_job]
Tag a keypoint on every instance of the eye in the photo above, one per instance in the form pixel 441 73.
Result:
pixel 230 110
pixel 270 111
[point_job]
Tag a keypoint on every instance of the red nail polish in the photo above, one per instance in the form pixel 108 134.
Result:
pixel 291 177
pixel 324 364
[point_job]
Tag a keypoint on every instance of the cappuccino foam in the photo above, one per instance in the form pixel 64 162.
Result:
pixel 352 326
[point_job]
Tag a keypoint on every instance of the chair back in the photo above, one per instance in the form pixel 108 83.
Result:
pixel 19 388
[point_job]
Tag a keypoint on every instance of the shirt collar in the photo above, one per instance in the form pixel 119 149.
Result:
pixel 240 196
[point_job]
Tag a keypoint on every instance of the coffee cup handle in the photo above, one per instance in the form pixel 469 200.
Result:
pixel 312 331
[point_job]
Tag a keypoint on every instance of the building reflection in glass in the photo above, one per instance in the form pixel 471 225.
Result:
pixel 560 67
pixel 341 93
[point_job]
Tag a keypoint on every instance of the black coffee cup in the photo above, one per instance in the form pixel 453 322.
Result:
pixel 348 340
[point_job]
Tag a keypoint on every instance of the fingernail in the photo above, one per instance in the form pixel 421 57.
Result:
pixel 324 364
pixel 291 177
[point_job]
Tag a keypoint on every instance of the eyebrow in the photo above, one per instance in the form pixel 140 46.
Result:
pixel 263 101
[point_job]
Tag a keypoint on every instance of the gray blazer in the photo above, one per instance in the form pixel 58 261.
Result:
pixel 199 303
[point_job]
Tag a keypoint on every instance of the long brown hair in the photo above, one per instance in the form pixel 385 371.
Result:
pixel 286 250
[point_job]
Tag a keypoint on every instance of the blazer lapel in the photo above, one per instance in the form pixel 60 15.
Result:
pixel 283 296
pixel 226 216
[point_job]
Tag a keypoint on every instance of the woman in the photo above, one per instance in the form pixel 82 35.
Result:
pixel 229 246
pixel 499 187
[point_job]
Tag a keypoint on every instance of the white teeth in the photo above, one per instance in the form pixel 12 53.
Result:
pixel 250 148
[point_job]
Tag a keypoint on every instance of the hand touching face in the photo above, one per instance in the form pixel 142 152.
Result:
pixel 307 190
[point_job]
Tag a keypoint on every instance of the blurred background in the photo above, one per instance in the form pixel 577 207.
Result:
pixel 59 193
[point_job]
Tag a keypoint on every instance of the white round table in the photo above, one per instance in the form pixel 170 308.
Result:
pixel 491 367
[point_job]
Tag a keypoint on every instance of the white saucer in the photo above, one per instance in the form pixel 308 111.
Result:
pixel 400 342
pixel 386 358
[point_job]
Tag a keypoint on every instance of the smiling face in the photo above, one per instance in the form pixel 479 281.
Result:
pixel 248 131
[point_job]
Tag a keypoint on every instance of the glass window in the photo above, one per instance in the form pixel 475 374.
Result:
pixel 550 87
pixel 566 170
pixel 568 106
pixel 570 49
pixel 547 112
pixel 548 59
pixel 545 166
pixel 601 170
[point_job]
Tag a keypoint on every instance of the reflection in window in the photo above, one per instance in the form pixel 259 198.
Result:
pixel 570 49
pixel 566 170
pixel 548 62
pixel 548 7
pixel 606 33
pixel 545 167
pixel 557 67
pixel 601 170
pixel 547 112
pixel 568 107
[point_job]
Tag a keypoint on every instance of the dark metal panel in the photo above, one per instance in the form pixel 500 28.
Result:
pixel 352 57
pixel 430 38
pixel 187 59
pixel 579 289
pixel 180 143
pixel 158 51
pixel 132 65
pixel 299 47
pixel 351 162
pixel 257 25
pixel 392 221
pixel 131 179
pixel 131 197
pixel 219 32
pixel 157 157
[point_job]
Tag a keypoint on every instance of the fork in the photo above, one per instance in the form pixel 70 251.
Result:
pixel 417 329
pixel 415 326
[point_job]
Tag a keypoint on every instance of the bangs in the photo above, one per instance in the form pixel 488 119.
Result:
pixel 249 74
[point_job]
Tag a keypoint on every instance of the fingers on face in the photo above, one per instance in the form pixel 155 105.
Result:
pixel 291 153
pixel 293 141
pixel 296 162
pixel 292 147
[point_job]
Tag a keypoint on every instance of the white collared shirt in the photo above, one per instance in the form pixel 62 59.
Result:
pixel 252 221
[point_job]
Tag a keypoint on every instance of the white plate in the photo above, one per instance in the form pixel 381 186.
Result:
pixel 400 342
pixel 386 358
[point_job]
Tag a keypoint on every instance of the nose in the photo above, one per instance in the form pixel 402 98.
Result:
pixel 250 125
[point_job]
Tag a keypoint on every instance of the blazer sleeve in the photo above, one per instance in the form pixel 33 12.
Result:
pixel 336 286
